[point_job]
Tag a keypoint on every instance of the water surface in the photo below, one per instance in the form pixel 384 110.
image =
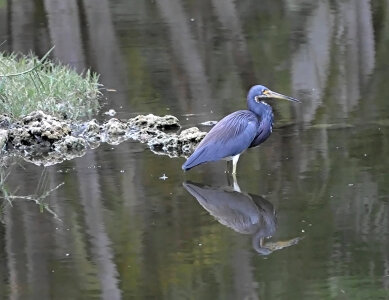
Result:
pixel 115 229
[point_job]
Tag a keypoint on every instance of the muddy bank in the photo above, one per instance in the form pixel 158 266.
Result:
pixel 45 140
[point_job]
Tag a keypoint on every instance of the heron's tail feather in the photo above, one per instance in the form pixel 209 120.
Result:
pixel 195 159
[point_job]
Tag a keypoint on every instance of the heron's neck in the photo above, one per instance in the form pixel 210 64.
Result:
pixel 263 111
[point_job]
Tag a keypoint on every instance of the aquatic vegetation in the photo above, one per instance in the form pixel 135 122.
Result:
pixel 28 83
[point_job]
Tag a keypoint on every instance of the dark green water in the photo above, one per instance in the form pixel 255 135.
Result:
pixel 116 230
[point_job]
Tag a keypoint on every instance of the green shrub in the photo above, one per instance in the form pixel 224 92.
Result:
pixel 28 83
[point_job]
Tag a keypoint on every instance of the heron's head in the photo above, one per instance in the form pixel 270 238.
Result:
pixel 260 93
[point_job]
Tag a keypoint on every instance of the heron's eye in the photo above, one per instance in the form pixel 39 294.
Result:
pixel 266 92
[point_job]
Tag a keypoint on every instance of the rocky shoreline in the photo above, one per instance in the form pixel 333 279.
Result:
pixel 46 140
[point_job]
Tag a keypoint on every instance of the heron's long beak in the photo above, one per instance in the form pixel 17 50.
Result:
pixel 268 94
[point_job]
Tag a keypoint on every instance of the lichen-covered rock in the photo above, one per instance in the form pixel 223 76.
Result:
pixel 115 127
pixel 38 128
pixel 191 135
pixel 176 145
pixel 161 141
pixel 68 148
pixel 45 125
pixel 46 140
pixel 143 135
pixel 5 121
pixel 91 130
pixel 190 138
pixel 70 144
pixel 151 121
pixel 3 138
pixel 19 137
pixel 115 139
pixel 93 144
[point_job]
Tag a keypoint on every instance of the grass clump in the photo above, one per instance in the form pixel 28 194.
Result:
pixel 28 83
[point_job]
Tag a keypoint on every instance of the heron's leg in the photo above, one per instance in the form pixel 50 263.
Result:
pixel 235 184
pixel 234 163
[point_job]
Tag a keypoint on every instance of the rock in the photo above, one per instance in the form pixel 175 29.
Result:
pixel 70 144
pixel 165 143
pixel 114 132
pixel 5 121
pixel 46 140
pixel 115 139
pixel 91 130
pixel 68 148
pixel 150 129
pixel 38 128
pixel 143 135
pixel 176 145
pixel 151 121
pixel 94 144
pixel 190 138
pixel 111 112
pixel 3 138
pixel 209 123
pixel 115 127
pixel 19 137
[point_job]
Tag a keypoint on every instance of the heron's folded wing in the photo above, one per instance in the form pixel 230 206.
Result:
pixel 230 136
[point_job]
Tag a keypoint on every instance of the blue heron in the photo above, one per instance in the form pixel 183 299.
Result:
pixel 238 131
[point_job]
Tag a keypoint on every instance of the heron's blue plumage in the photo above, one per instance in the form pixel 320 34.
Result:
pixel 265 127
pixel 238 131
pixel 230 136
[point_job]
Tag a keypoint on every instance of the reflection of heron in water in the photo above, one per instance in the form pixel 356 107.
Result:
pixel 244 213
